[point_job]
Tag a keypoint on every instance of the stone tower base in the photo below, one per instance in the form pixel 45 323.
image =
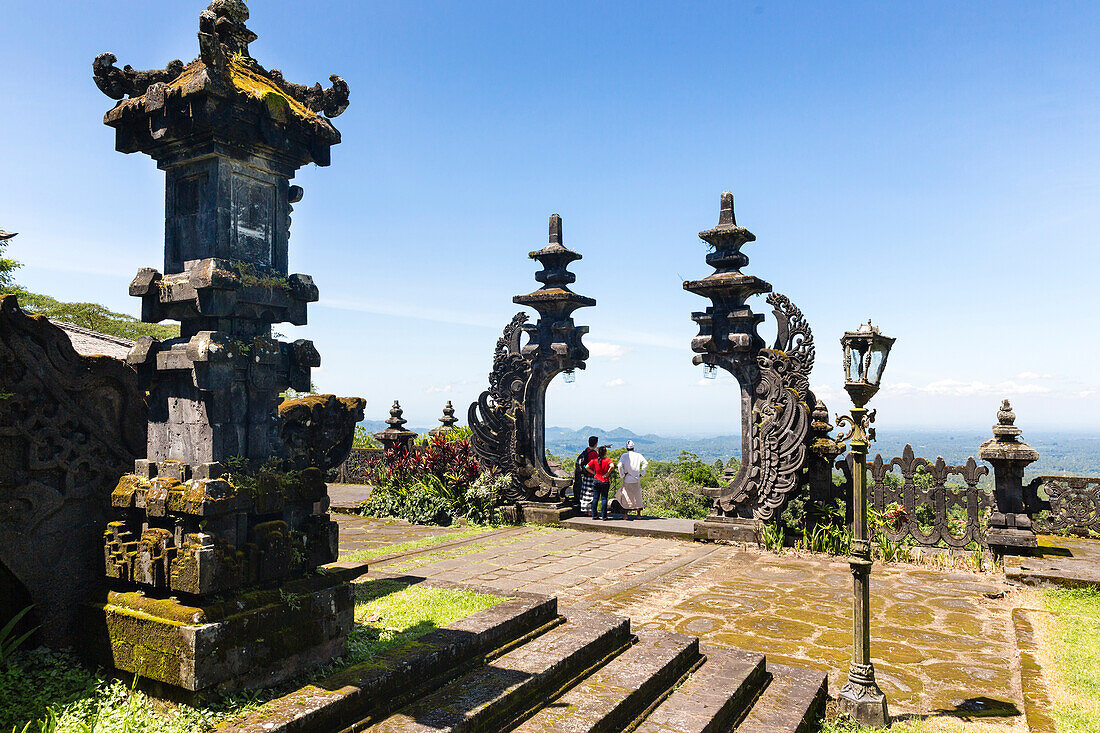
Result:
pixel 253 639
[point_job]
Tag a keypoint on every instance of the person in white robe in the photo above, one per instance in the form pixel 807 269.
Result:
pixel 632 466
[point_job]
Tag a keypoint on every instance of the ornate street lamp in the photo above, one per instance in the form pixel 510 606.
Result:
pixel 865 354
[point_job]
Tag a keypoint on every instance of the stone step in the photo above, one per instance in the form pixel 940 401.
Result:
pixel 714 697
pixel 365 693
pixel 620 691
pixel 492 697
pixel 791 703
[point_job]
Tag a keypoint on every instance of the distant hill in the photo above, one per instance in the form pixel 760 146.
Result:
pixel 1076 454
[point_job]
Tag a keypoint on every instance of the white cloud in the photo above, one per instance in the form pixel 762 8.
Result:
pixel 824 392
pixel 616 382
pixel 957 388
pixel 604 350
pixel 433 389
pixel 1033 376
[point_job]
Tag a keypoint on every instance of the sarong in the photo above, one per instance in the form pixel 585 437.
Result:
pixel 588 492
pixel 629 495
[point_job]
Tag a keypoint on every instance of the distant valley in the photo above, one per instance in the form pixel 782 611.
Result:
pixel 1060 453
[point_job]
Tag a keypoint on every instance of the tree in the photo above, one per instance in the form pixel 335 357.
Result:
pixel 7 266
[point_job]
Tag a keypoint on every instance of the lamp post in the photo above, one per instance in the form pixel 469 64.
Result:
pixel 865 354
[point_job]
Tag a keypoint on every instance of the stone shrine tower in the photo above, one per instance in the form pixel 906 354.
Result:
pixel 210 515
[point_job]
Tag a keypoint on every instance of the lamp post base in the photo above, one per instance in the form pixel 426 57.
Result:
pixel 861 699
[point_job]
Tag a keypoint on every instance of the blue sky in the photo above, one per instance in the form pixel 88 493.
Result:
pixel 934 166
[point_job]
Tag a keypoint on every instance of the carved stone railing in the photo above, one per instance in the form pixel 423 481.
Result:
pixel 354 468
pixel 1071 505
pixel 933 491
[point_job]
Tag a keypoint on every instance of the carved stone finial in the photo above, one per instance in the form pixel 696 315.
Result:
pixel 1005 431
pixel 447 421
pixel 396 420
pixel 726 216
pixel 555 230
pixel 448 418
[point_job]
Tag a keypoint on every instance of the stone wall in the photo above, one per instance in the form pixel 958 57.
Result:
pixel 70 425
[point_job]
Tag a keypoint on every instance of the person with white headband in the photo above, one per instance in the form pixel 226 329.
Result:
pixel 632 466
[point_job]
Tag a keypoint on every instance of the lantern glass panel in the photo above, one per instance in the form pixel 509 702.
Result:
pixel 710 371
pixel 878 363
pixel 569 376
pixel 857 361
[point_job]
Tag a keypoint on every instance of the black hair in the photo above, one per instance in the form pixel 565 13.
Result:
pixel 592 440
pixel 602 451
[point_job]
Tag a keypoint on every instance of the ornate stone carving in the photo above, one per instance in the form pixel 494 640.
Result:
pixel 933 491
pixel 318 430
pixel 1072 505
pixel 69 426
pixel 776 402
pixel 508 419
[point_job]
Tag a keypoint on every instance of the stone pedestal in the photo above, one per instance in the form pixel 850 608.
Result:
pixel 545 512
pixel 253 639
pixel 1010 530
pixel 730 529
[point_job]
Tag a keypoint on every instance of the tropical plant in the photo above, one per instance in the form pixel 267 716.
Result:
pixel 773 536
pixel 9 640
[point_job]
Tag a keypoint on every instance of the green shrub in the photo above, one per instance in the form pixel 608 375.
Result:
pixel 93 316
pixel 671 496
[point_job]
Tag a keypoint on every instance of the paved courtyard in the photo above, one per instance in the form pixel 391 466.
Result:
pixel 942 641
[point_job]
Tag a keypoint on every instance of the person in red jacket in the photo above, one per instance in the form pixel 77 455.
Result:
pixel 600 468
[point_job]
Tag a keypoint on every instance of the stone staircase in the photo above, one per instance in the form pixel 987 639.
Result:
pixel 590 673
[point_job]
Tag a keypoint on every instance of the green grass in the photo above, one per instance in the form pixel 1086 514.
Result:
pixel 44 685
pixel 50 686
pixel 372 553
pixel 390 613
pixel 1075 648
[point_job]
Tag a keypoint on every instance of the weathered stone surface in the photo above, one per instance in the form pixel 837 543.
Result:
pixel 792 702
pixel 69 426
pixel 620 691
pixel 254 639
pixel 367 691
pixel 492 697
pixel 936 633
pixel 318 430
pixel 776 401
pixel 713 697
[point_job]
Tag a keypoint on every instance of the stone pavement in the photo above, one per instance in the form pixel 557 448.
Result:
pixel 347 497
pixel 942 641
pixel 1065 561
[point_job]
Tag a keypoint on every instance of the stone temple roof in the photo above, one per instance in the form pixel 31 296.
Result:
pixel 93 343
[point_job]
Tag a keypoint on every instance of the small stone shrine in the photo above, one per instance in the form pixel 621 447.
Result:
pixel 784 428
pixel 509 419
pixel 1010 530
pixel 213 541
